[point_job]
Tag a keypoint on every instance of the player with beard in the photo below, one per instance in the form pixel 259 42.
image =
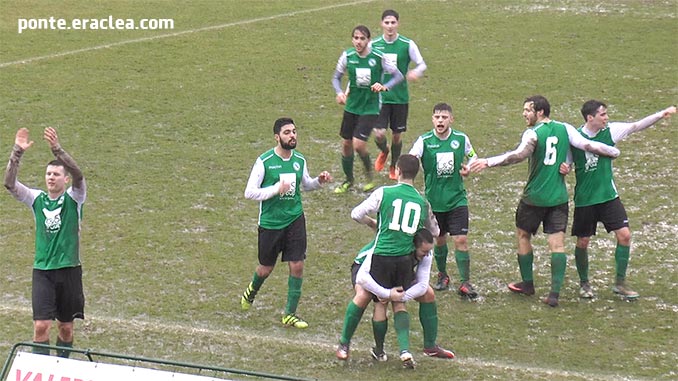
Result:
pixel 276 181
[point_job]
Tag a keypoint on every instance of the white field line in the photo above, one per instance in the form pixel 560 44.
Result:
pixel 242 335
pixel 175 34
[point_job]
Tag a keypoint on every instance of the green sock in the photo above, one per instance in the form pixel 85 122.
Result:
pixel 440 255
pixel 383 147
pixel 41 351
pixel 402 326
pixel 558 266
pixel 463 264
pixel 525 264
pixel 428 317
pixel 621 261
pixel 351 321
pixel 379 329
pixel 367 164
pixel 581 258
pixel 63 352
pixel 396 148
pixel 257 281
pixel 347 166
pixel 293 294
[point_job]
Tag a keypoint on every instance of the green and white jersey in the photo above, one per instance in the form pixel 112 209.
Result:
pixel 277 211
pixel 362 73
pixel 401 211
pixel 402 51
pixel 57 227
pixel 441 159
pixel 595 182
pixel 362 254
pixel 545 185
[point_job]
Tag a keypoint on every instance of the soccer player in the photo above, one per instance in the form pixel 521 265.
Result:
pixel 546 142
pixel 401 211
pixel 57 272
pixel 419 291
pixel 596 197
pixel 276 181
pixel 365 68
pixel 395 103
pixel 442 152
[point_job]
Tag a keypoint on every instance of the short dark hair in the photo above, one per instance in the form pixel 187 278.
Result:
pixel 540 103
pixel 422 235
pixel 58 163
pixel 591 107
pixel 279 123
pixel 363 29
pixel 442 107
pixel 390 12
pixel 409 166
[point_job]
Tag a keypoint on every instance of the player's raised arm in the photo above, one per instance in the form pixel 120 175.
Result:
pixel 22 142
pixel 71 166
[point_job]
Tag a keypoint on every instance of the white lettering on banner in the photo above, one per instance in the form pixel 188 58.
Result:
pixel 31 367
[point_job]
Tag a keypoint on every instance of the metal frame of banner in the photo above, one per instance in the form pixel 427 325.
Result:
pixel 91 353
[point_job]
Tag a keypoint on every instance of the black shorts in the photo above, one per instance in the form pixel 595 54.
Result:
pixel 357 126
pixel 392 272
pixel 393 115
pixel 529 217
pixel 57 294
pixel 454 222
pixel 611 213
pixel 291 241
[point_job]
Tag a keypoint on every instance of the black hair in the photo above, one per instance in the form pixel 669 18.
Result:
pixel 409 166
pixel 422 235
pixel 363 29
pixel 591 108
pixel 539 103
pixel 279 123
pixel 390 12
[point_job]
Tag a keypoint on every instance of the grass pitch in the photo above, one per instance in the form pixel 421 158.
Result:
pixel 166 126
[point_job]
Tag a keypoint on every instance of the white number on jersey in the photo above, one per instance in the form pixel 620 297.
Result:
pixel 551 152
pixel 409 221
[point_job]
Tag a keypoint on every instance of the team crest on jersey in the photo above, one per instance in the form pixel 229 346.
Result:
pixel 445 163
pixel 296 166
pixel 454 144
pixel 372 62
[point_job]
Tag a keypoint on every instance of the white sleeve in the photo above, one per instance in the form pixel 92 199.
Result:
pixel 578 141
pixel 365 280
pixel 431 222
pixel 620 131
pixel 421 279
pixel 369 206
pixel 391 68
pixel 252 191
pixel 527 144
pixel 418 148
pixel 78 194
pixel 309 183
pixel 415 56
pixel 25 194
pixel 339 72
